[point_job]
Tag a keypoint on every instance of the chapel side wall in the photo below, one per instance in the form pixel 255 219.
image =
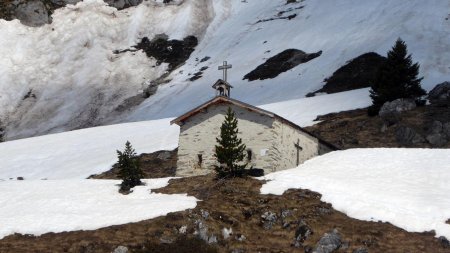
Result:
pixel 287 137
pixel 198 136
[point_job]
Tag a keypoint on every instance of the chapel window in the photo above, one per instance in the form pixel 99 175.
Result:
pixel 249 155
pixel 200 159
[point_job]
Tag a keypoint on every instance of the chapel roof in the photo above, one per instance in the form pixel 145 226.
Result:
pixel 223 99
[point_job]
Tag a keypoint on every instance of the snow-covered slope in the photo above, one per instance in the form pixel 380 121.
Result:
pixel 41 206
pixel 81 153
pixel 78 81
pixel 406 187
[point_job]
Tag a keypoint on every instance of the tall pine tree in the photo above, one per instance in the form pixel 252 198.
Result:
pixel 129 170
pixel 397 78
pixel 230 149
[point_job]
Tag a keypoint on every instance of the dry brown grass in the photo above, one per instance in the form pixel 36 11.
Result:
pixel 354 129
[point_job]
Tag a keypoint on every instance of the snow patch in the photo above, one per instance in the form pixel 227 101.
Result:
pixel 40 206
pixel 406 187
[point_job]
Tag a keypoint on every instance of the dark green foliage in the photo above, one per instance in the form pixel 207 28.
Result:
pixel 230 149
pixel 397 78
pixel 129 170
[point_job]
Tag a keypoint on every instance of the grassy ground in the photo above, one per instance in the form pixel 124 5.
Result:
pixel 354 129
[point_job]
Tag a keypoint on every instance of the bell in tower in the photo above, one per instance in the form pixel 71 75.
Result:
pixel 222 87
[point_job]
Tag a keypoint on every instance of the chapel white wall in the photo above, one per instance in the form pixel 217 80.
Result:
pixel 287 136
pixel 198 136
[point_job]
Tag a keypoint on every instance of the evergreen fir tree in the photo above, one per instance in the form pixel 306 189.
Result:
pixel 129 170
pixel 397 78
pixel 230 149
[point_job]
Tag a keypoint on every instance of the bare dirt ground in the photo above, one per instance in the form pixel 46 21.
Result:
pixel 235 204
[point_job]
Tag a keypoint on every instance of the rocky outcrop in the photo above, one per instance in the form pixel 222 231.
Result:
pixel 438 133
pixel 357 73
pixel 407 136
pixel 329 242
pixel 174 52
pixel 121 249
pixel 38 12
pixel 390 112
pixel 440 94
pixel 280 63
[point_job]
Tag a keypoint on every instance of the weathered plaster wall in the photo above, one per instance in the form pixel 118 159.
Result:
pixel 198 136
pixel 287 136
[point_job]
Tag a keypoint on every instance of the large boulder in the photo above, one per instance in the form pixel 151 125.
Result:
pixel 390 112
pixel 440 94
pixel 32 13
pixel 438 134
pixel 329 242
pixel 407 136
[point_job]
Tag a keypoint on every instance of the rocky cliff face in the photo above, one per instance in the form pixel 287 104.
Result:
pixel 38 12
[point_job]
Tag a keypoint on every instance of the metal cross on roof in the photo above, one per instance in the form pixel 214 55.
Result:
pixel 225 67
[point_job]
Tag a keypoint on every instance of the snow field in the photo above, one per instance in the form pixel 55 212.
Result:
pixel 406 187
pixel 78 81
pixel 41 206
pixel 81 153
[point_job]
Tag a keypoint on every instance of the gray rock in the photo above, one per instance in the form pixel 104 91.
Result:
pixel 361 250
pixel 201 231
pixel 407 136
pixel 437 134
pixel 32 13
pixel 268 219
pixel 182 229
pixel 64 2
pixel 440 94
pixel 212 239
pixel 120 4
pixel 328 243
pixel 120 249
pixel 164 155
pixel 444 242
pixel 241 237
pixel 227 232
pixel 204 213
pixel 437 140
pixel 301 234
pixel 390 112
pixel 446 130
pixel 436 127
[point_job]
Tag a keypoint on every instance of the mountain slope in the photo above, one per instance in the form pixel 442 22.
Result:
pixel 74 79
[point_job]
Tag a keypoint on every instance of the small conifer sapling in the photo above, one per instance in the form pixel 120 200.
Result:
pixel 230 151
pixel 129 170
